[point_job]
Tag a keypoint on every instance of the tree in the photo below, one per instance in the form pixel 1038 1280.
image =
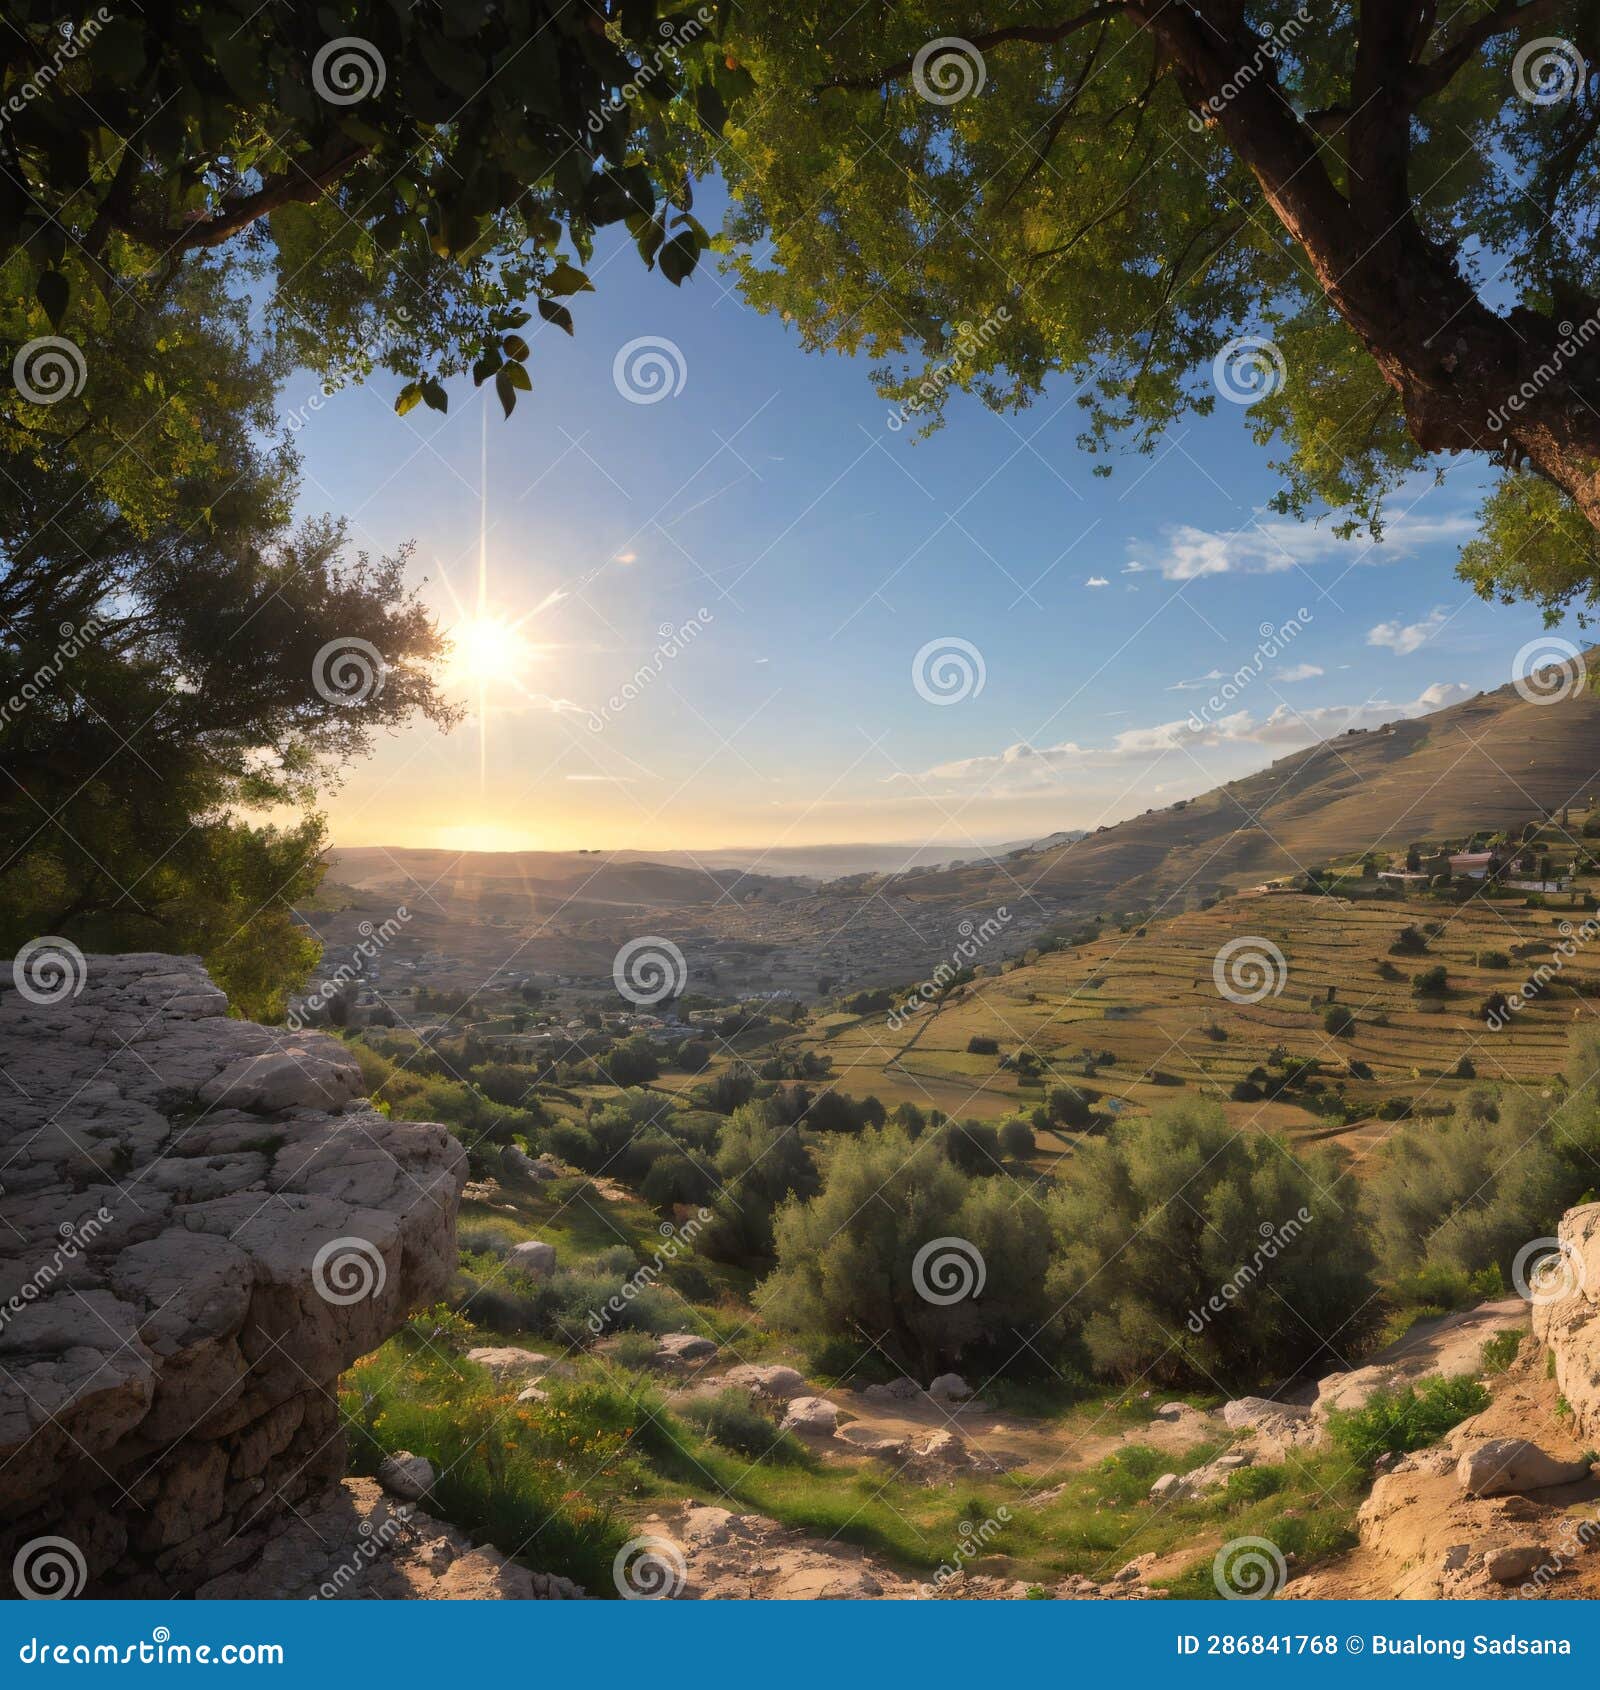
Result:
pixel 177 655
pixel 1299 202
pixel 401 178
pixel 1338 1020
pixel 760 1161
pixel 894 1221
pixel 1017 1140
pixel 1186 1249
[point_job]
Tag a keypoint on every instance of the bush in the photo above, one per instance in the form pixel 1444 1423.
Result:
pixel 1408 942
pixel 1177 1202
pixel 1430 983
pixel 980 1045
pixel 848 1258
pixel 1338 1020
pixel 730 1419
pixel 1394 1422
pixel 1017 1140
pixel 1245 1091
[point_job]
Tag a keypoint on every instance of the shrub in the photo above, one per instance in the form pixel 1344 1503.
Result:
pixel 1408 942
pixel 1016 1139
pixel 1177 1203
pixel 1245 1091
pixel 974 1146
pixel 730 1419
pixel 1338 1020
pixel 1394 1422
pixel 981 1045
pixel 1430 983
pixel 848 1258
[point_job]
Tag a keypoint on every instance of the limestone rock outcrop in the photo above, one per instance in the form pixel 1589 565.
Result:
pixel 202 1225
pixel 1566 1313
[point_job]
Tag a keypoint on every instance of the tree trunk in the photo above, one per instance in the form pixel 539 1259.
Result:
pixel 1468 379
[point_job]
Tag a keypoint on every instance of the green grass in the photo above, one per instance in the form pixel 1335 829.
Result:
pixel 1393 1422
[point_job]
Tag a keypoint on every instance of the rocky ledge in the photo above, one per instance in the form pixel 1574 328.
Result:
pixel 1566 1313
pixel 201 1226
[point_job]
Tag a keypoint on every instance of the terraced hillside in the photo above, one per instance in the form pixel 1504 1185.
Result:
pixel 1489 762
pixel 1145 1009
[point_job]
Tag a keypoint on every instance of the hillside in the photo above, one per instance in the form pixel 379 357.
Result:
pixel 1145 1006
pixel 1490 762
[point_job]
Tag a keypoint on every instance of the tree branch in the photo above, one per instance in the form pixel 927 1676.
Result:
pixel 1430 77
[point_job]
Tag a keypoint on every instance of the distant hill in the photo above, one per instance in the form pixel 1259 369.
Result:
pixel 1493 761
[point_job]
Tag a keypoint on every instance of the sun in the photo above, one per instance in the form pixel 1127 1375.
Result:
pixel 487 648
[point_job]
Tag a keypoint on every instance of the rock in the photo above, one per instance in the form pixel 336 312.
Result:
pixel 1509 1466
pixel 1514 1563
pixel 243 1230
pixel 778 1383
pixel 517 1164
pixel 1167 1488
pixel 897 1390
pixel 946 1449
pixel 406 1475
pixel 949 1387
pixel 811 1414
pixel 1260 1411
pixel 675 1347
pixel 533 1394
pixel 1567 1316
pixel 507 1364
pixel 1175 1411
pixel 533 1258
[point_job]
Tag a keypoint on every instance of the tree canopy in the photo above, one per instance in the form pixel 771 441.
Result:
pixel 1372 223
pixel 402 177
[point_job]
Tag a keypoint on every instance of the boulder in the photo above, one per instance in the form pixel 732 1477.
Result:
pixel 775 1382
pixel 897 1390
pixel 1169 1487
pixel 675 1347
pixel 507 1365
pixel 532 1258
pixel 811 1414
pixel 1513 1563
pixel 1566 1316
pixel 949 1387
pixel 405 1475
pixel 1509 1466
pixel 946 1449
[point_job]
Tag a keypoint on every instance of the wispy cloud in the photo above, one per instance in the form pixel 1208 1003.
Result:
pixel 1300 672
pixel 1273 544
pixel 1023 767
pixel 1404 638
pixel 1097 581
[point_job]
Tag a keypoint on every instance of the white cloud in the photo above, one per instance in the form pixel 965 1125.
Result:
pixel 1300 672
pixel 1135 568
pixel 1273 544
pixel 1198 683
pixel 1025 767
pixel 1097 581
pixel 1403 639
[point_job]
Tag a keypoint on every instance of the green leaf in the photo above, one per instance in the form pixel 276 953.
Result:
pixel 410 396
pixel 434 396
pixel 514 347
pixel 486 366
pixel 518 377
pixel 506 388
pixel 564 280
pixel 678 257
pixel 557 314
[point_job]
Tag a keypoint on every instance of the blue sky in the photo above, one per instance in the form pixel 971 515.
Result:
pixel 829 550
